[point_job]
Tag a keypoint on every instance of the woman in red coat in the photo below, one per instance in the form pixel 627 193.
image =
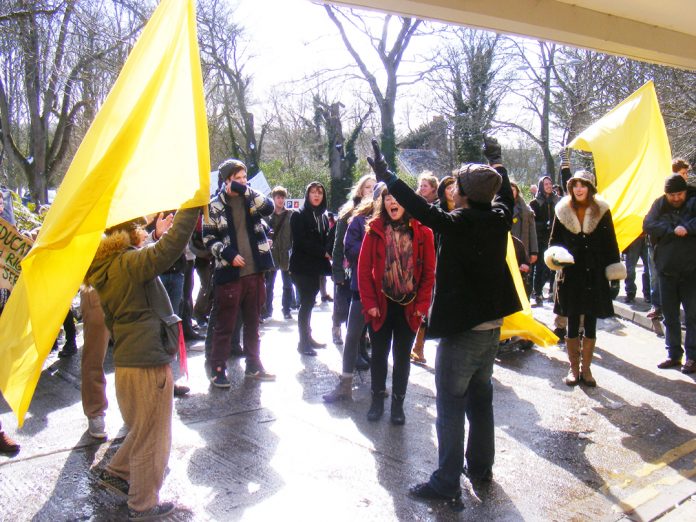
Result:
pixel 396 273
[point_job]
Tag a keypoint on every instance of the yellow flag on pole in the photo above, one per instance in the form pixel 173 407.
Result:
pixel 632 158
pixel 146 151
pixel 522 323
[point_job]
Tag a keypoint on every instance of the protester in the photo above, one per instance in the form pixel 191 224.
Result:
pixel 237 241
pixel 474 290
pixel 310 259
pixel 279 223
pixel 583 246
pixel 524 229
pixel 361 191
pixel 203 265
pixel 352 359
pixel 145 330
pixel 681 166
pixel 543 205
pixel 396 273
pixel 671 226
pixel 427 186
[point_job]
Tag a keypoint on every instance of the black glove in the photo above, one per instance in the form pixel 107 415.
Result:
pixel 492 150
pixel 238 188
pixel 379 164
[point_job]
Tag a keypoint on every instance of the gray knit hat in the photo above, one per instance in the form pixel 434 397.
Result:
pixel 478 182
pixel 585 177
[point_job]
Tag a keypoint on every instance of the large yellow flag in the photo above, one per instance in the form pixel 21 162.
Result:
pixel 632 158
pixel 522 323
pixel 146 151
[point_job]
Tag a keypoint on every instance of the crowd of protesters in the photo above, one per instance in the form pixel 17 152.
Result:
pixel 406 265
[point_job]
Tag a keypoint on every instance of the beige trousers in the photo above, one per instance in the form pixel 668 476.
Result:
pixel 96 342
pixel 145 397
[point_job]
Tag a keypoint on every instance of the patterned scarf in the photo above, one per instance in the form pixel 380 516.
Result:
pixel 397 283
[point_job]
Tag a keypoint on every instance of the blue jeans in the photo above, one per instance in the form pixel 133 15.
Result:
pixel 655 294
pixel 287 297
pixel 637 250
pixel 463 370
pixel 354 331
pixel 679 289
pixel 174 285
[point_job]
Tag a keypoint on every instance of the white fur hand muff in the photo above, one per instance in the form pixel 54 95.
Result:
pixel 556 257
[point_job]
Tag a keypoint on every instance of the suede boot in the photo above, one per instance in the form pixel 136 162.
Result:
pixel 573 349
pixel 398 418
pixel 587 352
pixel 342 391
pixel 377 407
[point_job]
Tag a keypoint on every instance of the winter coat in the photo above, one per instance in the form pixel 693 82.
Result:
pixel 673 254
pixel 473 282
pixel 351 248
pixel 583 287
pixel 371 272
pixel 543 208
pixel 310 233
pixel 524 226
pixel 220 238
pixel 282 238
pixel 338 271
pixel 137 310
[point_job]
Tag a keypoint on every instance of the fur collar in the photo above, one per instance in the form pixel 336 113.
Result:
pixel 112 244
pixel 569 219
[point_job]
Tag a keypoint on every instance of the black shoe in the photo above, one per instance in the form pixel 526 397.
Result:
pixel 69 349
pixel 669 363
pixel 398 418
pixel 181 390
pixel 305 349
pixel 190 335
pixel 361 364
pixel 314 344
pixel 377 407
pixel 561 333
pixel 287 315
pixel 425 491
pixel 485 477
pixel 630 298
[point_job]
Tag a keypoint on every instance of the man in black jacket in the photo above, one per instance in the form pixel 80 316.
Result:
pixel 543 206
pixel 671 226
pixel 474 290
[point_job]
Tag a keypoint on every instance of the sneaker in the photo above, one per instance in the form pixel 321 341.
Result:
pixel 689 366
pixel 219 378
pixel 159 511
pixel 113 483
pixel 7 445
pixel 336 335
pixel 669 363
pixel 259 375
pixel 96 427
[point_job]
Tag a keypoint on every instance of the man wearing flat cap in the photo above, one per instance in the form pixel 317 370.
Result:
pixel 671 226
pixel 474 290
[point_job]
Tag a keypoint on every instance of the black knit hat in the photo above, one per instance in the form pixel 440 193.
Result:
pixel 228 168
pixel 675 183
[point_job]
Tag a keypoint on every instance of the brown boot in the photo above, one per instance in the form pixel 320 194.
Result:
pixel 573 349
pixel 587 352
pixel 7 445
pixel 342 391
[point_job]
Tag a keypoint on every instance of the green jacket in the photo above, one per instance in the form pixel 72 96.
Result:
pixel 136 306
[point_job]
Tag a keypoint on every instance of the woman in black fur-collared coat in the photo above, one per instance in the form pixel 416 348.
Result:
pixel 583 247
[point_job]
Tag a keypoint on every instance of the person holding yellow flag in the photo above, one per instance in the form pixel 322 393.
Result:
pixel 145 330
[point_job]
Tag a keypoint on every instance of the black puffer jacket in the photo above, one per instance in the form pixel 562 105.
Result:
pixel 310 232
pixel 673 254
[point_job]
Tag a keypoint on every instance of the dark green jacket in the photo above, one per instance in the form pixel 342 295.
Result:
pixel 136 307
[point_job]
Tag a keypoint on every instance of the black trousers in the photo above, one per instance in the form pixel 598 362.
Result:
pixel 307 288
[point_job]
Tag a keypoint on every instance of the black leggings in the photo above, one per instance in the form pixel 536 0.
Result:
pixel 589 324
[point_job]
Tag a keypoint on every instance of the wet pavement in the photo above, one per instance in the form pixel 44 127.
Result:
pixel 262 450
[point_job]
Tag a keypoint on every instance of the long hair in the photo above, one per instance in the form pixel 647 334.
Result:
pixel 355 195
pixel 380 210
pixel 591 203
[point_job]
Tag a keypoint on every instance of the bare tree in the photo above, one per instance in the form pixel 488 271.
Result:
pixel 43 67
pixel 390 57
pixel 225 59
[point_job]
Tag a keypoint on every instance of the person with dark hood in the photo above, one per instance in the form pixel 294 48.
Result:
pixel 524 229
pixel 145 330
pixel 474 291
pixel 583 248
pixel 310 259
pixel 543 205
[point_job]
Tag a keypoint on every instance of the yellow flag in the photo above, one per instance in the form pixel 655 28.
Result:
pixel 522 323
pixel 632 158
pixel 146 151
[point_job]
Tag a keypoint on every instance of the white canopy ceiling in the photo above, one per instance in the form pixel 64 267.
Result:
pixel 659 31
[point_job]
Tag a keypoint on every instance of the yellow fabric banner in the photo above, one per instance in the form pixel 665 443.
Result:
pixel 146 151
pixel 632 158
pixel 522 323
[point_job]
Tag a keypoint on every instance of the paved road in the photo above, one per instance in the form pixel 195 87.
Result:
pixel 625 450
